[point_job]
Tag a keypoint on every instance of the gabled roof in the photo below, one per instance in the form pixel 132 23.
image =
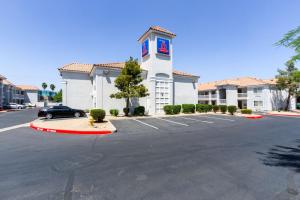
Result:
pixel 2 77
pixel 87 68
pixel 240 82
pixel 28 87
pixel 160 30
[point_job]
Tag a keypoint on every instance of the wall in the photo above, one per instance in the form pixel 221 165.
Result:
pixel 31 96
pixel 231 96
pixel 185 91
pixel 77 90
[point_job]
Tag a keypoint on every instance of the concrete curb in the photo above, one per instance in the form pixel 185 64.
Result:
pixel 63 131
pixel 254 116
pixel 284 115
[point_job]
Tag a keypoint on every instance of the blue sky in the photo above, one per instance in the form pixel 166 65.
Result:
pixel 216 39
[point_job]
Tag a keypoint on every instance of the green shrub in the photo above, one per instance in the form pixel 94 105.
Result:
pixel 209 107
pixel 203 108
pixel 232 109
pixel 97 114
pixel 246 111
pixel 188 108
pixel 126 111
pixel 172 109
pixel 215 108
pixel 223 108
pixel 114 112
pixel 140 111
pixel 176 109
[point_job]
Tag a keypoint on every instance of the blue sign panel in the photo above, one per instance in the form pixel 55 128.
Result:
pixel 145 48
pixel 163 46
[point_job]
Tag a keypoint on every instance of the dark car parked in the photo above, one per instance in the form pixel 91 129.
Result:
pixel 60 111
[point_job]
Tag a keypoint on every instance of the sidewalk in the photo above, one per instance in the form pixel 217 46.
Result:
pixel 284 113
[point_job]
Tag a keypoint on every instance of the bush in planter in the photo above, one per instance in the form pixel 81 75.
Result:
pixel 114 112
pixel 215 108
pixel 201 108
pixel 232 109
pixel 209 107
pixel 126 111
pixel 172 109
pixel 223 108
pixel 140 110
pixel 188 108
pixel 176 109
pixel 246 111
pixel 97 114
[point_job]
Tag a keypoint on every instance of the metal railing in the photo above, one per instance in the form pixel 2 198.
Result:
pixel 223 101
pixel 242 94
pixel 213 96
pixel 203 96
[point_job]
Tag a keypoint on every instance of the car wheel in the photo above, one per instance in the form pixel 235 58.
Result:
pixel 20 108
pixel 77 114
pixel 49 116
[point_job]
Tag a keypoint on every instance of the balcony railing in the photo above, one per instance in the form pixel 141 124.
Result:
pixel 201 96
pixel 18 96
pixel 213 96
pixel 242 94
pixel 222 101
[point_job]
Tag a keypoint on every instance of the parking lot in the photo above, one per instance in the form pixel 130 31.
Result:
pixel 178 157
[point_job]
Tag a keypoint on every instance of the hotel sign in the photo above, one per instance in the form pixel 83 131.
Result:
pixel 145 48
pixel 163 46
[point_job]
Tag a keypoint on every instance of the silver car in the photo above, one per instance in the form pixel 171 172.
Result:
pixel 15 106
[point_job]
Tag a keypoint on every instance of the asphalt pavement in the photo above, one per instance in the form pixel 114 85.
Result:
pixel 197 157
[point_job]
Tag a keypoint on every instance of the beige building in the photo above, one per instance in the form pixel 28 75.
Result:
pixel 245 92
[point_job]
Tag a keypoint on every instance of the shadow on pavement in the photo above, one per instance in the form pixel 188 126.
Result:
pixel 283 156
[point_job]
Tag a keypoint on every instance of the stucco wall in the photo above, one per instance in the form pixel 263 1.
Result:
pixel 31 97
pixel 77 90
pixel 185 91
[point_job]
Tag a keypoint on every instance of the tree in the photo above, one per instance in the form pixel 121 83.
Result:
pixel 292 40
pixel 52 87
pixel 289 80
pixel 44 85
pixel 58 96
pixel 129 83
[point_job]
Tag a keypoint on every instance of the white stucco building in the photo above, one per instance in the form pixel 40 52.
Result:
pixel 87 86
pixel 245 92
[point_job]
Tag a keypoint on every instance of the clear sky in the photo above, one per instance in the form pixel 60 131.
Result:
pixel 216 39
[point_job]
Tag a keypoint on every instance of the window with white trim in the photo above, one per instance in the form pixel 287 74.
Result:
pixel 258 103
pixel 257 90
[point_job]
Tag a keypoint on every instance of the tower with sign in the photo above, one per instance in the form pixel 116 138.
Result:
pixel 157 59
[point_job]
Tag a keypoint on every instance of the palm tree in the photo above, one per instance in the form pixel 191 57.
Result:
pixel 44 85
pixel 52 87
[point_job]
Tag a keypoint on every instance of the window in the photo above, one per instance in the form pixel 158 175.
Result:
pixel 258 103
pixel 257 90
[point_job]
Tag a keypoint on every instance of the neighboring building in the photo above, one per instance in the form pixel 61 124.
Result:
pixel 90 85
pixel 246 92
pixel 2 78
pixel 30 93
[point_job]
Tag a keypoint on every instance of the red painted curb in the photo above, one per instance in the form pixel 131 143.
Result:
pixel 254 117
pixel 63 131
pixel 285 115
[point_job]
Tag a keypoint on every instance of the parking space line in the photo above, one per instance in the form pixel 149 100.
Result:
pixel 231 120
pixel 197 120
pixel 14 127
pixel 172 121
pixel 145 124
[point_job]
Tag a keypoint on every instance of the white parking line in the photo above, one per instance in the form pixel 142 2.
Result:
pixel 13 127
pixel 197 120
pixel 172 121
pixel 145 124
pixel 231 120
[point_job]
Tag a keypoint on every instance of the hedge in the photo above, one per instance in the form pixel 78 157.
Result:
pixel 140 110
pixel 216 108
pixel 203 108
pixel 97 114
pixel 232 109
pixel 223 108
pixel 188 108
pixel 246 111
pixel 172 109
pixel 114 112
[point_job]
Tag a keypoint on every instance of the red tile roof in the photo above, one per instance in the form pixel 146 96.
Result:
pixel 28 87
pixel 158 29
pixel 87 68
